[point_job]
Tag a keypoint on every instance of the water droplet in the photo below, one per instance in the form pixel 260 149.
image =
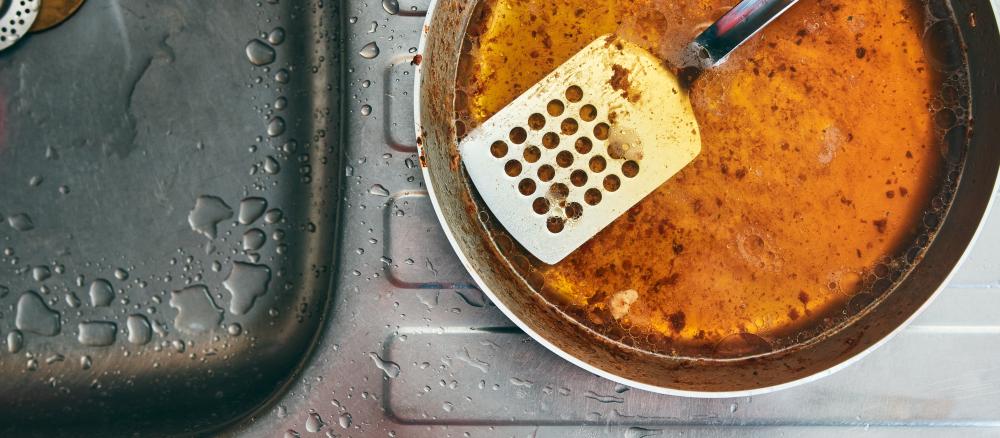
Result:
pixel 642 432
pixel 139 330
pixel 97 333
pixel 344 420
pixel 314 422
pixel 121 274
pixel 253 239
pixel 391 6
pixel 72 300
pixel 35 181
pixel 35 317
pixel 472 297
pixel 352 20
pixel 32 364
pixel 281 76
pixel 369 51
pixel 41 273
pixel 276 126
pixel 391 369
pixel 234 329
pixel 259 53
pixel 276 36
pixel 246 282
pixel 85 362
pixel 366 110
pixel 15 340
pixel 273 216
pixel 448 406
pixel 208 211
pixel 280 104
pixel 373 28
pixel 271 166
pixel 378 190
pixel 63 189
pixel 619 388
pixel 196 311
pixel 733 407
pixel 21 222
pixel 603 398
pixel 101 293
pixel 251 209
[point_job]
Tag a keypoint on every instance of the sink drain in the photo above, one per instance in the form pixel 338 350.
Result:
pixel 16 17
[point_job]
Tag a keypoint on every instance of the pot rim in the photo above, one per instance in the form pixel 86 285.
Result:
pixel 460 253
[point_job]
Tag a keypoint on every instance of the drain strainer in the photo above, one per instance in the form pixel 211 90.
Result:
pixel 16 17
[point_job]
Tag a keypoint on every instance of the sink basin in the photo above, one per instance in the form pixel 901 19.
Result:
pixel 177 261
pixel 169 173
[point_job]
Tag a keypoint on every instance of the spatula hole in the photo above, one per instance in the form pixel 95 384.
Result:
pixel 498 149
pixel 612 183
pixel 532 154
pixel 616 151
pixel 546 173
pixel 536 121
pixel 555 108
pixel 518 135
pixel 526 186
pixel 583 145
pixel 588 113
pixel 550 140
pixel 559 191
pixel 540 205
pixel 569 126
pixel 574 211
pixel 513 168
pixel 578 178
pixel 630 169
pixel 564 159
pixel 598 163
pixel 601 131
pixel 574 94
pixel 555 224
pixel 592 196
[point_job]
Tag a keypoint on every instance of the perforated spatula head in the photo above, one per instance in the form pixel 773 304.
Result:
pixel 582 146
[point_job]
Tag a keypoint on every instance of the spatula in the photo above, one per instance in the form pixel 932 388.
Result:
pixel 596 136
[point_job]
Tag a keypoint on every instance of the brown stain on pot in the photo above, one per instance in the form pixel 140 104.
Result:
pixel 760 216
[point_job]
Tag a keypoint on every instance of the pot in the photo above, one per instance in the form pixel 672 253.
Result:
pixel 876 317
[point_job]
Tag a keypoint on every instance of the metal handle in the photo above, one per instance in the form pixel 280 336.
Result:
pixel 737 26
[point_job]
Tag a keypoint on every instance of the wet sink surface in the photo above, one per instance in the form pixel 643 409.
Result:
pixel 168 199
pixel 147 111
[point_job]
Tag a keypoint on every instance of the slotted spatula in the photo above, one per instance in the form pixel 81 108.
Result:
pixel 596 136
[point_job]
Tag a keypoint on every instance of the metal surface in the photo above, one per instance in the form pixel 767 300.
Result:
pixel 937 378
pixel 735 27
pixel 125 135
pixel 16 17
pixel 757 366
pixel 582 146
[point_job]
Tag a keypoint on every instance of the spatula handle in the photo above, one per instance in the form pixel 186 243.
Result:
pixel 737 26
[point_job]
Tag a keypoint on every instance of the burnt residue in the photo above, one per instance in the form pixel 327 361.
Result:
pixel 620 82
pixel 749 189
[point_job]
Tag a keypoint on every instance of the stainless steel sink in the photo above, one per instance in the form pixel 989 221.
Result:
pixel 144 161
pixel 137 130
